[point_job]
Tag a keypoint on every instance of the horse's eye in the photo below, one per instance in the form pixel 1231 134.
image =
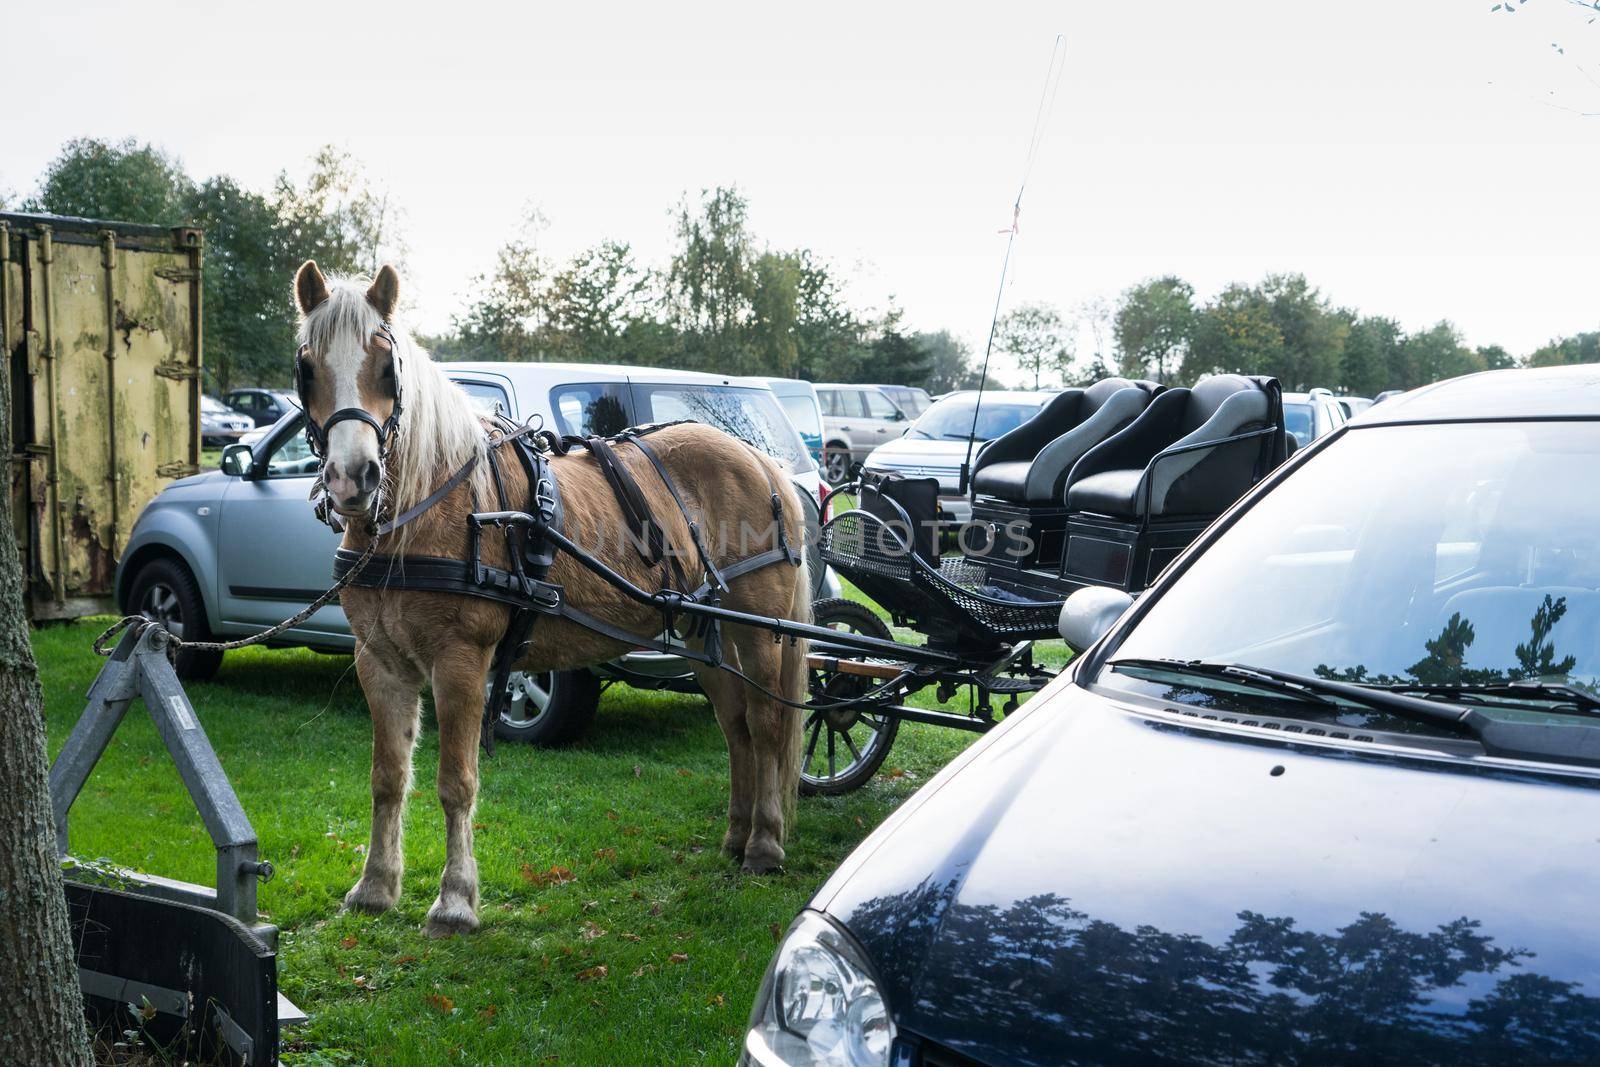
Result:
pixel 305 368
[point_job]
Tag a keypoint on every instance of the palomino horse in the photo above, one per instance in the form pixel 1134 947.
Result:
pixel 390 457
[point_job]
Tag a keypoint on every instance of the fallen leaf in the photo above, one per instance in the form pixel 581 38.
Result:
pixel 605 853
pixel 631 831
pixel 684 772
pixel 480 826
pixel 401 961
pixel 642 971
pixel 347 942
pixel 777 932
pixel 678 957
pixel 638 771
pixel 655 909
pixel 612 815
pixel 442 1002
pixel 360 980
pixel 554 876
pixel 147 1010
pixel 592 931
pixel 593 973
pixel 715 998
pixel 590 905
pixel 488 1013
pixel 630 937
pixel 859 823
pixel 896 772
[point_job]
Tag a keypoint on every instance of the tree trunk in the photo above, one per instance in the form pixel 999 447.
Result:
pixel 41 1008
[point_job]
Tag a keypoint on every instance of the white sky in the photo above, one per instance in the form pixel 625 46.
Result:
pixel 1406 155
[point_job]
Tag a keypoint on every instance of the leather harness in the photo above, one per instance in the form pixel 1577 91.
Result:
pixel 534 535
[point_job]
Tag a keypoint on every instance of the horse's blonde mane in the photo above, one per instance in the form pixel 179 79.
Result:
pixel 438 431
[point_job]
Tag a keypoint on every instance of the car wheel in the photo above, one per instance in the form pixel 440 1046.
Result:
pixel 548 708
pixel 836 465
pixel 165 592
pixel 844 744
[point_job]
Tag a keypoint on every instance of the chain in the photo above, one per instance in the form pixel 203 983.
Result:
pixel 176 643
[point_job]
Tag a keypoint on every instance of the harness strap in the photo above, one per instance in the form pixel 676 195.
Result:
pixel 716 582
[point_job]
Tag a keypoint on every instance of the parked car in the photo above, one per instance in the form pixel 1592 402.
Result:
pixel 799 400
pixel 231 551
pixel 1387 394
pixel 855 420
pixel 1354 405
pixel 1325 794
pixel 911 399
pixel 265 406
pixel 220 424
pixel 1308 416
pixel 935 444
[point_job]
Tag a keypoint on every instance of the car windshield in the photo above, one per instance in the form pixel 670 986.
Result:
pixel 751 415
pixel 951 418
pixel 212 406
pixel 1459 555
pixel 1299 421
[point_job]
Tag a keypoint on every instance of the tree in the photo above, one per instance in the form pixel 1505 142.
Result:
pixel 1580 348
pixel 1037 338
pixel 1437 354
pixel 949 362
pixel 1153 327
pixel 894 356
pixel 1495 357
pixel 595 303
pixel 122 180
pixel 712 281
pixel 829 337
pixel 41 1010
pixel 506 319
pixel 1234 333
pixel 1372 355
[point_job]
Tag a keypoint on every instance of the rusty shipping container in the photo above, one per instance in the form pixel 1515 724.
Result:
pixel 101 321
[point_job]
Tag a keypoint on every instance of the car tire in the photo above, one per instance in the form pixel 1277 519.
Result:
pixel 836 464
pixel 165 592
pixel 548 708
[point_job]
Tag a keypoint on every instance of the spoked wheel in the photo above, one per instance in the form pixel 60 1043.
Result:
pixel 845 743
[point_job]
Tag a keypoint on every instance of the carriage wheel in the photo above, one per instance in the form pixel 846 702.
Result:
pixel 844 746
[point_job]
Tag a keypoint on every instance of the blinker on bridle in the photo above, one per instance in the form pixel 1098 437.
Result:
pixel 317 436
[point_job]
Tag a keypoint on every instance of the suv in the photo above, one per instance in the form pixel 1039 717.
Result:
pixel 909 398
pixel 1326 793
pixel 229 552
pixel 855 420
pixel 1308 416
pixel 265 406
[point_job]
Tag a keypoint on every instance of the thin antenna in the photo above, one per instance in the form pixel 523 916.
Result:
pixel 1047 100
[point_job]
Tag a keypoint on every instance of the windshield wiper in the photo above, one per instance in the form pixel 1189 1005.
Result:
pixel 1554 742
pixel 1530 689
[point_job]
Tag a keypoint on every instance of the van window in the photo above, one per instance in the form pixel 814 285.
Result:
pixel 486 398
pixel 600 409
pixel 878 405
pixel 752 415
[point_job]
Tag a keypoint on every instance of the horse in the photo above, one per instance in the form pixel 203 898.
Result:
pixel 393 429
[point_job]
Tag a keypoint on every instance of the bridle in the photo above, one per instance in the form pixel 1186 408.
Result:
pixel 317 436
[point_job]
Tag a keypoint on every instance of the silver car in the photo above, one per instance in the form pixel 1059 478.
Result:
pixel 855 420
pixel 233 551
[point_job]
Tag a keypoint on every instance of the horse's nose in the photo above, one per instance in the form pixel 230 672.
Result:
pixel 367 479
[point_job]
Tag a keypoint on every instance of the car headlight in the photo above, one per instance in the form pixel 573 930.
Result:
pixel 818 1004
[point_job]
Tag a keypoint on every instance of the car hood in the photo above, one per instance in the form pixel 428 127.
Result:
pixel 1096 885
pixel 920 451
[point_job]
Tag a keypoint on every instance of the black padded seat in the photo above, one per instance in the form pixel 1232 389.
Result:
pixel 1030 464
pixel 1176 458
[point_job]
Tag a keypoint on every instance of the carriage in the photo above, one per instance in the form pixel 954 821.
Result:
pixel 1103 487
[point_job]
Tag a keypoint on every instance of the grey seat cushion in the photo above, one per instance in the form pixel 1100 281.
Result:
pixel 1107 493
pixel 1004 480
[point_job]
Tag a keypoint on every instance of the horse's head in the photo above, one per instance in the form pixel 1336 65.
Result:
pixel 348 375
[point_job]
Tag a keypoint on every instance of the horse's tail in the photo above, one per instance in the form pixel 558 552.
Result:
pixel 794 682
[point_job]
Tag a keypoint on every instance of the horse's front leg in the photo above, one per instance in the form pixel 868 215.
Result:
pixel 458 686
pixel 392 698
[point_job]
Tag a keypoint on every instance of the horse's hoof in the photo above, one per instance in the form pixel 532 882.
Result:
pixel 762 861
pixel 733 847
pixel 370 899
pixel 448 920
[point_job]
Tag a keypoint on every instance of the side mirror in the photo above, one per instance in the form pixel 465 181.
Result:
pixel 1089 614
pixel 238 461
pixel 898 416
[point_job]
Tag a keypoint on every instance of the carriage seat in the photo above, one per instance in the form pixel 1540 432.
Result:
pixel 1171 460
pixel 1030 464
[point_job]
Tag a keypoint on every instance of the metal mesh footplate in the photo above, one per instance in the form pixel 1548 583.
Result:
pixel 876 557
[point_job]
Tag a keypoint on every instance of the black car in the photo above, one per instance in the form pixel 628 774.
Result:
pixel 265 406
pixel 1326 793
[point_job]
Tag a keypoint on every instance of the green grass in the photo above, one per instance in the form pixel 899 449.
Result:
pixel 634 813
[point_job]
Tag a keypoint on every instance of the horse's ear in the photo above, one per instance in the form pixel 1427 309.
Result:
pixel 385 291
pixel 310 287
